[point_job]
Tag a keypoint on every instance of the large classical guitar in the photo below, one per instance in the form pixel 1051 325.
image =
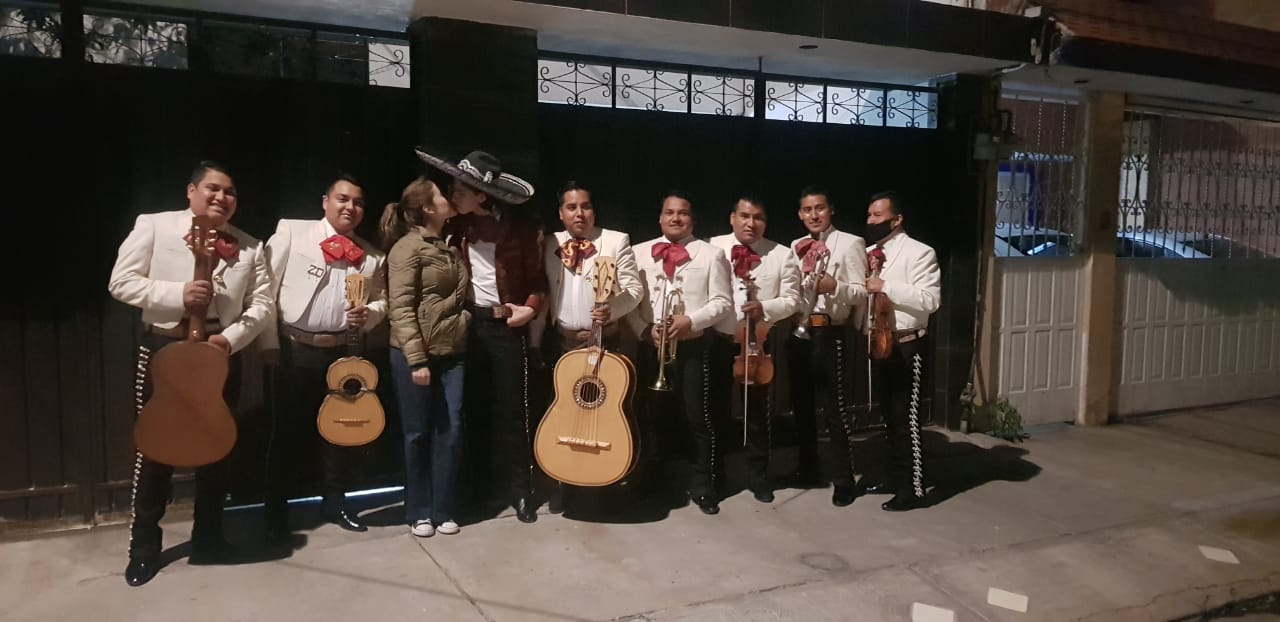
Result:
pixel 588 437
pixel 351 413
pixel 187 423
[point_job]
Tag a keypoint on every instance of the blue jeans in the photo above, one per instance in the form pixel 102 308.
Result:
pixel 431 417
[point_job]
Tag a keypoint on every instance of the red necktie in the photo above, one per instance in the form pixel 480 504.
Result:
pixel 744 260
pixel 341 248
pixel 672 255
pixel 226 245
pixel 574 251
pixel 809 250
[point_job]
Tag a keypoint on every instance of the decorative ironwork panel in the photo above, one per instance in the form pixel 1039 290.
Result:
pixel 651 89
pixel 31 30
pixel 258 50
pixel 575 83
pixel 911 109
pixel 1038 189
pixel 388 63
pixel 341 58
pixel 135 40
pixel 794 101
pixel 723 95
pixel 1201 187
pixel 855 106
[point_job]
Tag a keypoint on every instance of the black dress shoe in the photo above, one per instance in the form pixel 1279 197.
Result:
pixel 708 504
pixel 878 488
pixel 902 502
pixel 140 570
pixel 344 520
pixel 763 494
pixel 843 495
pixel 526 511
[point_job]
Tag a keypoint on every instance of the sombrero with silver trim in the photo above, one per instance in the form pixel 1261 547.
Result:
pixel 482 171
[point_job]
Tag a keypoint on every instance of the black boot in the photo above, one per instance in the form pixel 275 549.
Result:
pixel 843 494
pixel 708 504
pixel 141 570
pixel 902 502
pixel 526 511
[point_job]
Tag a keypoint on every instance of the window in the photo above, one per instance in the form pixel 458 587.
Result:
pixel 31 30
pixel 135 40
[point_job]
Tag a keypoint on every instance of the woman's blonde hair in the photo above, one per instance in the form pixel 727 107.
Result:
pixel 401 217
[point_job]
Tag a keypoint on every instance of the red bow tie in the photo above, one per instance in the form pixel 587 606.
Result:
pixel 574 251
pixel 672 255
pixel 875 260
pixel 745 259
pixel 809 250
pixel 226 245
pixel 339 248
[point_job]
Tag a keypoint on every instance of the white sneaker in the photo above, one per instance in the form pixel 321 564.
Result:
pixel 424 529
pixel 448 528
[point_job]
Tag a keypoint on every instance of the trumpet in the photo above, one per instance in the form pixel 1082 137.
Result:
pixel 672 305
pixel 810 283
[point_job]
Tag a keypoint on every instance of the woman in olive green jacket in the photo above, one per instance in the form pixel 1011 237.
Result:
pixel 426 286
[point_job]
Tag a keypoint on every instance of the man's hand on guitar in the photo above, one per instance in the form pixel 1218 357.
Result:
pixel 875 285
pixel 826 284
pixel 357 316
pixel 520 315
pixel 601 313
pixel 220 342
pixel 196 295
pixel 422 376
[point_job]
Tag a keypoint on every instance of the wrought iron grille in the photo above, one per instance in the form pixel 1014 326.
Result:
pixel 854 104
pixel 651 89
pixel 1038 189
pixel 794 101
pixel 911 109
pixel 135 40
pixel 575 83
pixel 388 62
pixel 31 30
pixel 723 95
pixel 1200 187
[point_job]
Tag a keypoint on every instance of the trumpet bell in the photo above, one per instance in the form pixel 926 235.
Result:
pixel 660 384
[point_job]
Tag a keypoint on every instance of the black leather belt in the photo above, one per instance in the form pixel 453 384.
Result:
pixel 904 336
pixel 486 312
pixel 315 340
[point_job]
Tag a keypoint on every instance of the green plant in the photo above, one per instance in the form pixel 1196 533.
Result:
pixel 1005 420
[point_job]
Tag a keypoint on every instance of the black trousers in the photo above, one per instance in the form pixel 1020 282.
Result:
pixel 728 395
pixel 496 411
pixel 898 385
pixel 152 481
pixel 296 450
pixel 823 428
pixel 690 431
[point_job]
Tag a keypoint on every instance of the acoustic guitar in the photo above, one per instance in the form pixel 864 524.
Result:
pixel 587 437
pixel 187 423
pixel 351 414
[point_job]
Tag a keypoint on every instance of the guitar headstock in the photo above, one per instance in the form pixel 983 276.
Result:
pixel 202 236
pixel 356 294
pixel 605 279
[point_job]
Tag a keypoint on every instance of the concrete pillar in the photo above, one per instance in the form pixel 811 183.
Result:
pixel 475 86
pixel 1104 138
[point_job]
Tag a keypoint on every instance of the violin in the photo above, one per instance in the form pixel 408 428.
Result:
pixel 752 365
pixel 880 340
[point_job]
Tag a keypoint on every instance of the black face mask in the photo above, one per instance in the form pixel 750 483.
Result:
pixel 879 231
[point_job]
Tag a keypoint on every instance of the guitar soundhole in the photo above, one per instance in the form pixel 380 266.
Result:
pixel 352 387
pixel 588 392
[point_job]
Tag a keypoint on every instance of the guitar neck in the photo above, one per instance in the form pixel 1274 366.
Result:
pixel 353 341
pixel 196 319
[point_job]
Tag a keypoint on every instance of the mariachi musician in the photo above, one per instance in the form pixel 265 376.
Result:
pixel 904 271
pixel 570 265
pixel 833 268
pixel 310 261
pixel 773 273
pixel 153 272
pixel 678 266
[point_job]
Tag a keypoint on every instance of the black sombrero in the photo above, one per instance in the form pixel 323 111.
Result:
pixel 482 171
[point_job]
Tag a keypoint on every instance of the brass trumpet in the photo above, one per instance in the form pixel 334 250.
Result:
pixel 810 283
pixel 672 305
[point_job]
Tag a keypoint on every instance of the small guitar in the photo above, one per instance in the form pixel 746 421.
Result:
pixel 351 414
pixel 880 337
pixel 587 437
pixel 187 423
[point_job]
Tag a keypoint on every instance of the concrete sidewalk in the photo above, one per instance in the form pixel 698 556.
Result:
pixel 1086 524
